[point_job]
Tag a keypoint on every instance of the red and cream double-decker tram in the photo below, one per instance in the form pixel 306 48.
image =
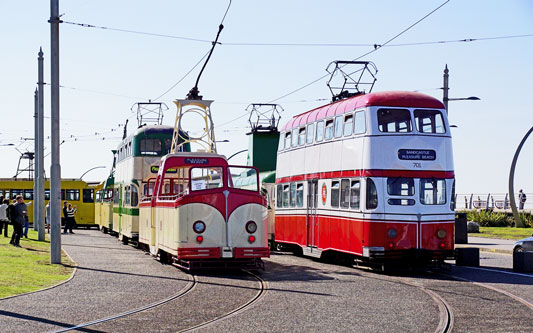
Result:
pixel 368 178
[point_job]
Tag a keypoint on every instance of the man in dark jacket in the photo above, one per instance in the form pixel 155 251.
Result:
pixel 17 218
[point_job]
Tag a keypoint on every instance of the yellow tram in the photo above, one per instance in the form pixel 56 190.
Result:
pixel 75 191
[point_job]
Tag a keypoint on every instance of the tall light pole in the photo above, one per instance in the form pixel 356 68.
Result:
pixel 446 88
pixel 40 176
pixel 55 168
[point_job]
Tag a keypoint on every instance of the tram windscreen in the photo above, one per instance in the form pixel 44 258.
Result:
pixel 400 186
pixel 433 191
pixel 206 178
pixel 394 121
pixel 244 178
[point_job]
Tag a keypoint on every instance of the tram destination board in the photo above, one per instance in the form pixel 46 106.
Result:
pixel 417 154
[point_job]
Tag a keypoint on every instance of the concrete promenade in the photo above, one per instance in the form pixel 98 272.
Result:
pixel 489 244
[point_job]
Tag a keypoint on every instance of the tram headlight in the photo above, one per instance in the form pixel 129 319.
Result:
pixel 251 227
pixel 392 233
pixel 441 233
pixel 198 227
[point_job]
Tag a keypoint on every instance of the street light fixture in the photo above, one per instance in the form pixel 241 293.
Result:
pixel 445 98
pixel 7 144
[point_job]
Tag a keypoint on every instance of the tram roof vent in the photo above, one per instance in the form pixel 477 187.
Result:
pixel 350 78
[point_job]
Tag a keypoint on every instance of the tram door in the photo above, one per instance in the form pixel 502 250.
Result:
pixel 312 219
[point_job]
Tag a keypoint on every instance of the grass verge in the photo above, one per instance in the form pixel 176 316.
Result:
pixel 28 268
pixel 503 232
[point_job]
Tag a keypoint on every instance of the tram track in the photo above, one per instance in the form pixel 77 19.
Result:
pixel 263 287
pixel 446 317
pixel 193 282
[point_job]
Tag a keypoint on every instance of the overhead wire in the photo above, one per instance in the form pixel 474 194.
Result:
pixel 301 44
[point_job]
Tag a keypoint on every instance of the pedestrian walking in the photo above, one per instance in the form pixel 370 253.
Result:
pixel 47 218
pixel 521 199
pixel 4 222
pixel 65 216
pixel 71 221
pixel 17 218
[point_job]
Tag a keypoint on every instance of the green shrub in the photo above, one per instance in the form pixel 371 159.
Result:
pixel 488 218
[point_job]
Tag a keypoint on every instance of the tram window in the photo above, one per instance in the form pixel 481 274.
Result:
pixel 360 123
pixel 401 202
pixel 279 196
pixel 338 126
pixel 134 196
pixel 287 140
pixel 73 195
pixel 244 178
pixel 294 141
pixel 116 196
pixel 329 129
pixel 4 193
pixel 345 193
pixel 286 195
pixel 88 195
pixel 355 194
pixel 335 186
pixel 127 196
pixel 62 195
pixel 293 194
pixel 310 132
pixel 14 193
pixel 301 136
pixel 166 189
pixel 108 194
pixel 281 145
pixel 168 146
pixel 28 194
pixel 300 195
pixel 206 178
pixel 433 191
pixel 319 136
pixel 429 121
pixel 151 147
pixel 400 186
pixel 348 125
pixel 46 194
pixel 394 120
pixel 371 195
pixel 148 189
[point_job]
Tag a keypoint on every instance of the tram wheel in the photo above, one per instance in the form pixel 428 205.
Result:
pixel 125 240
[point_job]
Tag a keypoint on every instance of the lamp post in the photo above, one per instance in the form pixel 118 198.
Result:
pixel 445 88
pixel 97 167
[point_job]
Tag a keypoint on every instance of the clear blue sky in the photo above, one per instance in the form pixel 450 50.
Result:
pixel 111 70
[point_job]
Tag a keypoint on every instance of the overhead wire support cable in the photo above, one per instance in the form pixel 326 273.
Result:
pixel 376 47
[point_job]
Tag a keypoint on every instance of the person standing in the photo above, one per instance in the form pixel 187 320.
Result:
pixel 17 218
pixel 65 216
pixel 47 219
pixel 521 199
pixel 26 220
pixel 71 221
pixel 4 222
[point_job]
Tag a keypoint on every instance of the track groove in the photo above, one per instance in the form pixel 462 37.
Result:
pixel 184 291
pixel 263 289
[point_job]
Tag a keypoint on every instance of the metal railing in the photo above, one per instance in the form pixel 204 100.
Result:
pixel 494 201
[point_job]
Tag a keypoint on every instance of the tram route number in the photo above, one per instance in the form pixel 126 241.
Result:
pixel 417 154
pixel 417 165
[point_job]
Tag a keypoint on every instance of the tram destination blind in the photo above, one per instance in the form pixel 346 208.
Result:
pixel 417 154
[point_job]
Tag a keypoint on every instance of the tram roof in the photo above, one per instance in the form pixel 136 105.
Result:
pixel 385 98
pixel 154 129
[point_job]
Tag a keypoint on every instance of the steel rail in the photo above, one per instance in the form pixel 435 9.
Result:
pixel 193 282
pixel 263 287
pixel 446 318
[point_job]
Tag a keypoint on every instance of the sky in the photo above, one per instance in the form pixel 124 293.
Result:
pixel 105 71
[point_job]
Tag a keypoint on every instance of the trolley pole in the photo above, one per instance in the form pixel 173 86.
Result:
pixel 55 168
pixel 36 164
pixel 39 200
